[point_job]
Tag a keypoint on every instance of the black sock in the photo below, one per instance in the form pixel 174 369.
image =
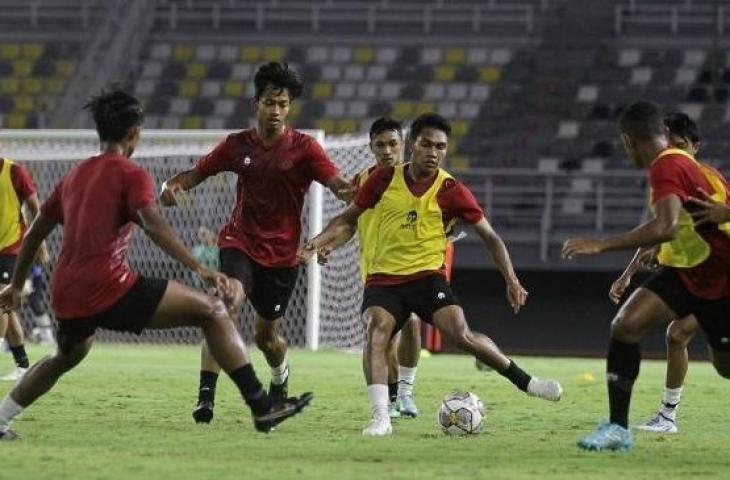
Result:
pixel 251 389
pixel 393 391
pixel 622 368
pixel 21 358
pixel 206 391
pixel 517 376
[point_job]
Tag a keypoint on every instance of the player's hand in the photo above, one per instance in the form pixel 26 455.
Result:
pixel 647 259
pixel 708 210
pixel 9 298
pixel 305 252
pixel 172 194
pixel 581 246
pixel 618 287
pixel 217 280
pixel 323 255
pixel 516 295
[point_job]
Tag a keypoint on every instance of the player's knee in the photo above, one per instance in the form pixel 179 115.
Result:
pixel 626 327
pixel 213 310
pixel 265 339
pixel 380 328
pixel 676 336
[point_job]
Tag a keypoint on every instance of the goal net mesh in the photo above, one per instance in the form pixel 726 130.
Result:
pixel 48 159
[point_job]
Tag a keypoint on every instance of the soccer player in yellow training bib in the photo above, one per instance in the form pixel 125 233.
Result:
pixel 386 144
pixel 411 204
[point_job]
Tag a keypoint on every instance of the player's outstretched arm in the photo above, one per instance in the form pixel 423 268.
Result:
pixel 337 233
pixel 173 190
pixel 41 227
pixel 165 237
pixel 516 294
pixel 34 207
pixel 643 258
pixel 662 228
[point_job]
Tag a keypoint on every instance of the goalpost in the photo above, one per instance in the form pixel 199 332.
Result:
pixel 324 309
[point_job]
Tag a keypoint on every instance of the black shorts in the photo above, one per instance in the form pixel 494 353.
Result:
pixel 267 288
pixel 713 315
pixel 422 297
pixel 131 313
pixel 7 264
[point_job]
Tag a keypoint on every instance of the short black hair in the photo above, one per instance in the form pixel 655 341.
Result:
pixel 429 120
pixel 280 76
pixel 681 125
pixel 115 112
pixel 385 124
pixel 642 121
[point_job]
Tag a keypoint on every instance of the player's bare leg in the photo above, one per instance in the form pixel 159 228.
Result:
pixel 392 354
pixel 452 324
pixel 679 334
pixel 209 368
pixel 380 326
pixel 273 346
pixel 409 352
pixel 15 339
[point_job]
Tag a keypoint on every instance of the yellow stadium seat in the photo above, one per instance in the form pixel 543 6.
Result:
pixel 453 146
pixel 347 125
pixel 9 51
pixel 233 89
pixel 402 109
pixel 9 85
pixel 31 86
pixel 192 122
pixel 196 70
pixel 183 53
pixel 273 54
pixel 31 51
pixel 64 67
pixel 326 124
pixel 363 55
pixel 455 56
pixel 445 73
pixel 250 54
pixel 423 107
pixel 16 120
pixel 459 128
pixel 54 85
pixel 24 103
pixel 295 109
pixel 490 74
pixel 22 68
pixel 189 88
pixel 322 90
pixel 458 163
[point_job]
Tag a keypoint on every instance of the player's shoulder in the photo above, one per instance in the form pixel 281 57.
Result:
pixel 300 139
pixel 450 182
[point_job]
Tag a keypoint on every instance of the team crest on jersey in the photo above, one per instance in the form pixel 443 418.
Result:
pixel 247 161
pixel 411 219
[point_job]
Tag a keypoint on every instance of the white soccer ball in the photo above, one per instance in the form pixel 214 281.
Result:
pixel 461 413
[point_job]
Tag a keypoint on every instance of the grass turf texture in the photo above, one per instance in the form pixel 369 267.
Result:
pixel 125 413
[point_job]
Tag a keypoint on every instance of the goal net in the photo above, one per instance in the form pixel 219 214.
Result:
pixel 324 308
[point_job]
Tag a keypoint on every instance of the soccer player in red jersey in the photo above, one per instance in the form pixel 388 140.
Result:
pixel 16 190
pixel 275 165
pixel 98 203
pixel 695 279
pixel 412 204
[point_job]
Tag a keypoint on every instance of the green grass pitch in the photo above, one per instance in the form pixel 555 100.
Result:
pixel 125 413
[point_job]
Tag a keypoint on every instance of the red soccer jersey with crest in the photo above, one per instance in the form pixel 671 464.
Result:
pixel 272 182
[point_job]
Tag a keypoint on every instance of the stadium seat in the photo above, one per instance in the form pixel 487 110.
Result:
pixel 363 55
pixel 386 55
pixel 9 85
pixel 490 74
pixel 192 122
pixel 641 75
pixel 242 71
pixel 444 73
pixel 353 73
pixel 455 56
pixel 227 53
pixel 587 94
pixel 456 91
pixel 9 51
pixel 568 129
pixel 22 68
pixel 685 76
pixel 161 52
pixel 469 110
pixel 367 91
pixel 180 106
pixel 357 109
pixel 376 73
pixel 64 68
pixel 331 73
pixel 183 53
pixel 434 91
pixel 447 109
pixel 224 107
pixel 318 54
pixel 477 56
pixel 205 53
pixel 500 56
pixel 345 90
pixel 31 51
pixel 196 70
pixel 31 86
pixel 334 108
pixel 694 58
pixel 273 54
pixel 24 103
pixel 322 90
pixel 431 56
pixel 389 90
pixel 189 88
pixel 250 54
pixel 214 123
pixel 233 88
pixel 211 88
pixel 341 55
pixel 630 57
pixel 152 69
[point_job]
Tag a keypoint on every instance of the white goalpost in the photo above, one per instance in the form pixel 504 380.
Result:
pixel 324 309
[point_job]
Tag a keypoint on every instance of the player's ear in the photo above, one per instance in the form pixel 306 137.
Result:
pixel 134 133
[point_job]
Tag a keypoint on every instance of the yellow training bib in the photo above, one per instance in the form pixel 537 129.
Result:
pixel 10 216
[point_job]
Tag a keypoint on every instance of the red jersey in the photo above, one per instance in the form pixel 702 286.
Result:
pixel 97 204
pixel 272 182
pixel 454 199
pixel 24 188
pixel 678 175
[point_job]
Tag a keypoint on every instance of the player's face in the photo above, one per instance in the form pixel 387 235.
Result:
pixel 387 147
pixel 630 150
pixel 272 108
pixel 429 150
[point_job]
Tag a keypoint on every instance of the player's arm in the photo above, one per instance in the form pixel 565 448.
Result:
pixel 643 258
pixel 173 188
pixel 337 233
pixel 708 210
pixel 162 234
pixel 34 207
pixel 341 188
pixel 662 228
pixel 39 230
pixel 516 294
